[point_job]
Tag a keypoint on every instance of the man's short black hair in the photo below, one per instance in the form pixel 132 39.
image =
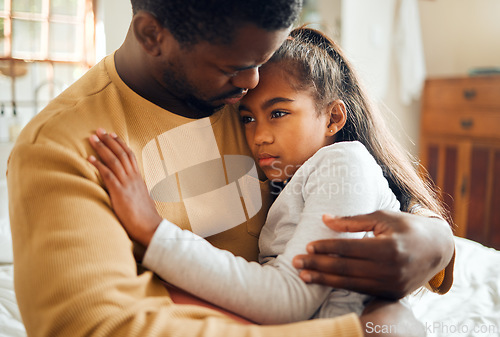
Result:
pixel 215 21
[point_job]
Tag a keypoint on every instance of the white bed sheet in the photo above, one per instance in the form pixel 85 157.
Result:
pixel 471 308
pixel 10 319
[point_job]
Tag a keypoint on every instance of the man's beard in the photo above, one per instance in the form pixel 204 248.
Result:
pixel 180 87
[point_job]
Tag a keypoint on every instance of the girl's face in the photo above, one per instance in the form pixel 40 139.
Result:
pixel 282 126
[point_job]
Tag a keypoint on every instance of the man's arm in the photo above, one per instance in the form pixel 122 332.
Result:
pixel 406 252
pixel 75 274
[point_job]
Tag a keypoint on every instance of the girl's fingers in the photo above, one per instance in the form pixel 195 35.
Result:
pixel 129 152
pixel 108 177
pixel 116 149
pixel 108 158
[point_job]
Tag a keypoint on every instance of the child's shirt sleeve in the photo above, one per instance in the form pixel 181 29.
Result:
pixel 273 293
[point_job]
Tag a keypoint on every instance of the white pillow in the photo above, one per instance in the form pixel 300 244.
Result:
pixel 5 242
pixel 5 235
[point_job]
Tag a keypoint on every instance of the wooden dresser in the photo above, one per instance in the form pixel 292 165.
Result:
pixel 460 147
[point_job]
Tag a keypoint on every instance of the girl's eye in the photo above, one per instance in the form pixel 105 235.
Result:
pixel 246 119
pixel 278 114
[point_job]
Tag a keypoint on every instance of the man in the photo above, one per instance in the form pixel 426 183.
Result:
pixel 165 92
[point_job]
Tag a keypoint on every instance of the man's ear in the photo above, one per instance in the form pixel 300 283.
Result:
pixel 338 117
pixel 149 32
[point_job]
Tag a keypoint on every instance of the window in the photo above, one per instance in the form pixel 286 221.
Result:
pixel 45 45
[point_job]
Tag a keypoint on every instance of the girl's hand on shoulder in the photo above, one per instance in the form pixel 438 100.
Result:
pixel 129 195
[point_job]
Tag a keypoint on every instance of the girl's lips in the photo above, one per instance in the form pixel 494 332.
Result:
pixel 267 161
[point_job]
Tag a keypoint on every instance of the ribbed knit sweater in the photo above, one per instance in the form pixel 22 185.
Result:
pixel 75 271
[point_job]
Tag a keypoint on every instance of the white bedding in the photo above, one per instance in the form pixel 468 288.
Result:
pixel 471 308
pixel 10 319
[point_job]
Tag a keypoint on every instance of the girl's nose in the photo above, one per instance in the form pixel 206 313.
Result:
pixel 246 79
pixel 262 134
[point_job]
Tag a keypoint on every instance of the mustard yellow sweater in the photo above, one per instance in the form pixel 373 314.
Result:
pixel 75 271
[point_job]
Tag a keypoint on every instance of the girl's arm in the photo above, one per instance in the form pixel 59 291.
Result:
pixel 180 296
pixel 272 293
pixel 190 262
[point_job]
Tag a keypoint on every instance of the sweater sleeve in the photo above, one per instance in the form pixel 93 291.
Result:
pixel 75 274
pixel 441 282
pixel 267 294
pixel 272 293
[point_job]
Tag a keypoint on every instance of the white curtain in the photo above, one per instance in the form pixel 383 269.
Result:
pixel 409 51
pixel 371 30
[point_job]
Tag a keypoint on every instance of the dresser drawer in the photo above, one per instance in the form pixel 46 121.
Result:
pixel 460 143
pixel 474 94
pixel 485 125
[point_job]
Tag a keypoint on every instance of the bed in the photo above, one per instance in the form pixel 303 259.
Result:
pixel 471 308
pixel 10 319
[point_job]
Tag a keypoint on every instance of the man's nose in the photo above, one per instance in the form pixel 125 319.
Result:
pixel 246 79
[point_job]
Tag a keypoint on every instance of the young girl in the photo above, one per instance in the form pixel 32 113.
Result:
pixel 324 149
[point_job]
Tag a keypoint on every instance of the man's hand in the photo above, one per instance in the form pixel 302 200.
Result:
pixel 406 252
pixel 390 318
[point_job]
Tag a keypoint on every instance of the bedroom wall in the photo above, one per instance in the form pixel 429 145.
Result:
pixel 458 35
pixel 114 17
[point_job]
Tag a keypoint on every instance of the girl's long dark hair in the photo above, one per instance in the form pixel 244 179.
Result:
pixel 317 64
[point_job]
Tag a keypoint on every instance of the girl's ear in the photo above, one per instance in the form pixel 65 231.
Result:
pixel 338 117
pixel 149 32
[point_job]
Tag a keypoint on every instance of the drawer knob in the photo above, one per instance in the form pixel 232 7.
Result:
pixel 466 124
pixel 470 94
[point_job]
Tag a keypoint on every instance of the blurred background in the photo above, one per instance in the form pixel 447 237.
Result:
pixel 45 45
pixel 396 45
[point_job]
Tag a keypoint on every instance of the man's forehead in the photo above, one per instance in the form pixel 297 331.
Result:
pixel 250 48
